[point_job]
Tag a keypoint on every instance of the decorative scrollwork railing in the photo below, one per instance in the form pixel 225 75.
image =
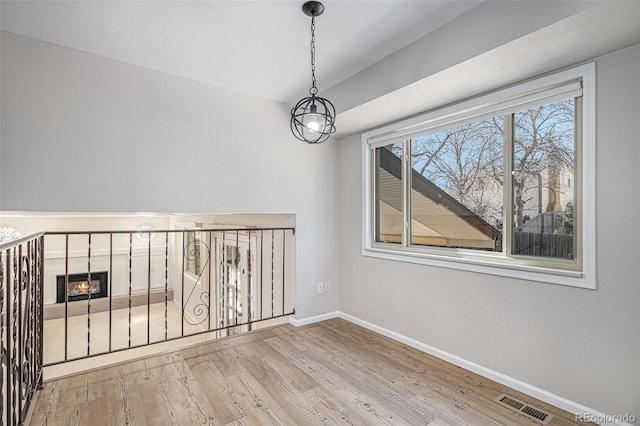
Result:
pixel 163 286
pixel 199 312
pixel 21 325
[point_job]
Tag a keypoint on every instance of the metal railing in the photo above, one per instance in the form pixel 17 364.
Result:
pixel 100 292
pixel 21 325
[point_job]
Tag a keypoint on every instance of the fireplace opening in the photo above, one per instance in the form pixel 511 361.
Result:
pixel 80 287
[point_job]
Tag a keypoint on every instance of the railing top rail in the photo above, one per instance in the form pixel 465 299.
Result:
pixel 14 243
pixel 162 231
pixel 11 244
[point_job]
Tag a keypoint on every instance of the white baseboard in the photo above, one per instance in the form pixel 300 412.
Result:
pixel 310 320
pixel 533 391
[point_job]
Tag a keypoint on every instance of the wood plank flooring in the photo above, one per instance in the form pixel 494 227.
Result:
pixel 333 372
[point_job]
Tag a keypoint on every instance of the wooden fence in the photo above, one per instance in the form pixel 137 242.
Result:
pixel 559 246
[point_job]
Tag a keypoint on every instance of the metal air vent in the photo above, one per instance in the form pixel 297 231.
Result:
pixel 524 409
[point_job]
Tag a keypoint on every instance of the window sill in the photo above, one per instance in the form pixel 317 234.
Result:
pixel 488 267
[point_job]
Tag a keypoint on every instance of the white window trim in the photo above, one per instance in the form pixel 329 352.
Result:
pixel 586 278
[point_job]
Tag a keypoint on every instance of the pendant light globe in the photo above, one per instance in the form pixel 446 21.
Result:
pixel 313 117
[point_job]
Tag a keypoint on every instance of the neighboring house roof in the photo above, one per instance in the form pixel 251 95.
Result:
pixel 432 209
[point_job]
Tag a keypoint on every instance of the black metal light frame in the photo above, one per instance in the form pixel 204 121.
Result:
pixel 313 117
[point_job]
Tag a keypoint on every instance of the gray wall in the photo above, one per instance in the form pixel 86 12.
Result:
pixel 582 345
pixel 85 133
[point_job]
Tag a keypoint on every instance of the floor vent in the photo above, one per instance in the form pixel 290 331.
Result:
pixel 524 409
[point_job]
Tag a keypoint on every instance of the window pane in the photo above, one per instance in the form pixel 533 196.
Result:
pixel 388 198
pixel 543 180
pixel 456 187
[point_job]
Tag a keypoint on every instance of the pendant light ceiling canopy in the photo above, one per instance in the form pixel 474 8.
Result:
pixel 313 117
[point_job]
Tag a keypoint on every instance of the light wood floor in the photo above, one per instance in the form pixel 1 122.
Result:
pixel 332 372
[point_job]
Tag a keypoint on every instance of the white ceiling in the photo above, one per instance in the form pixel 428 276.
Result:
pixel 256 47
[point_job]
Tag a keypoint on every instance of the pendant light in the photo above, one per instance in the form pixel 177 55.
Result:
pixel 313 117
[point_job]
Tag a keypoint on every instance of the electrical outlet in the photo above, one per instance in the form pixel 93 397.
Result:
pixel 320 287
pixel 327 286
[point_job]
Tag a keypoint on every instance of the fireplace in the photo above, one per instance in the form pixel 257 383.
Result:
pixel 80 287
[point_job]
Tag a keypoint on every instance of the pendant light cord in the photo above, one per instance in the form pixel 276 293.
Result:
pixel 313 118
pixel 313 90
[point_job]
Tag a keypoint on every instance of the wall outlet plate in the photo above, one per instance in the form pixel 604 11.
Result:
pixel 327 286
pixel 320 287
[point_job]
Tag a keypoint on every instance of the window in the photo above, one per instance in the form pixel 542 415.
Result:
pixel 501 184
pixel 456 186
